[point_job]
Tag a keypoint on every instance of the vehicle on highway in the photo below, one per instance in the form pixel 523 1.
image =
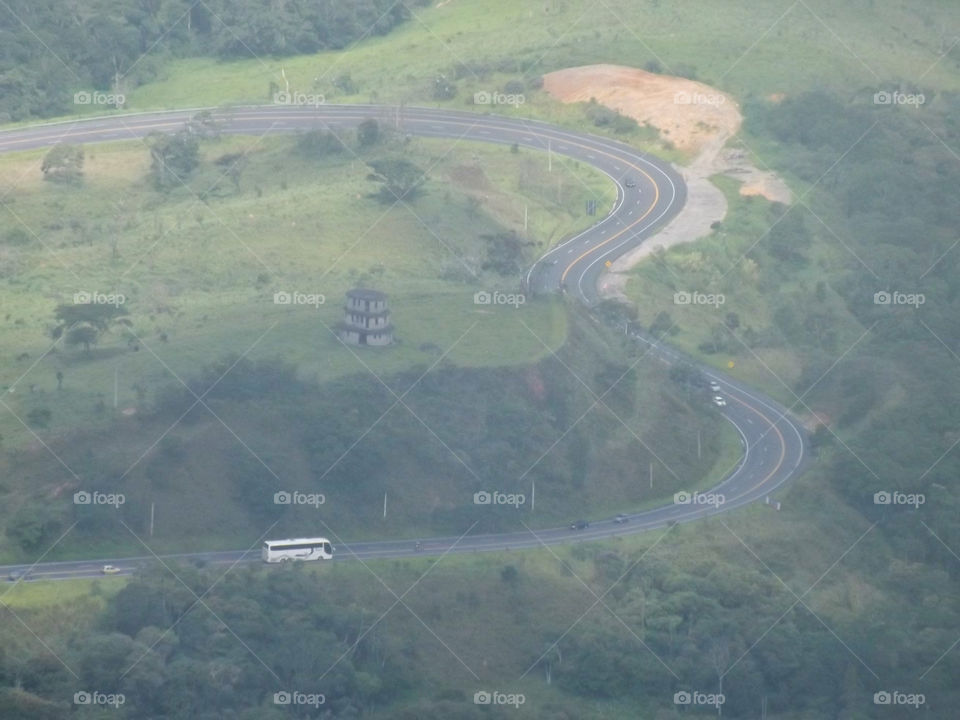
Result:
pixel 630 182
pixel 579 525
pixel 297 549
pixel 110 570
pixel 719 401
pixel 18 575
pixel 621 519
pixel 715 386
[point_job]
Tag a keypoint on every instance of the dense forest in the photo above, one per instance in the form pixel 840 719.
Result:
pixel 891 206
pixel 118 44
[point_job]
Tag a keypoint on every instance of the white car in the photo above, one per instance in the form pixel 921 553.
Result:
pixel 714 386
pixel 719 401
pixel 110 570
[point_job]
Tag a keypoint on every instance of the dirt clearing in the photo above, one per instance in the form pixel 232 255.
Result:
pixel 695 118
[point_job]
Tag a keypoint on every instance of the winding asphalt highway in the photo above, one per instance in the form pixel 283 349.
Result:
pixel 649 193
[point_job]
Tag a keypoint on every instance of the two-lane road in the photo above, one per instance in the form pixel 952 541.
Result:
pixel 649 193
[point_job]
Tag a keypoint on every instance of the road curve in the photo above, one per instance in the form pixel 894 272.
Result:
pixel 649 193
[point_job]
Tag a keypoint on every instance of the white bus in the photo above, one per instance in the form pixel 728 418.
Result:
pixel 297 549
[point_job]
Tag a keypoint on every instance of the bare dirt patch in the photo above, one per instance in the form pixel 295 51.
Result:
pixel 689 114
pixel 694 118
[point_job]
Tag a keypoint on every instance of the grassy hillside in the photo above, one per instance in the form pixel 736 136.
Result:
pixel 199 265
pixel 211 471
pixel 779 47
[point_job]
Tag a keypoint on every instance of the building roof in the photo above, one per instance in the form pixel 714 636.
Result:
pixel 366 294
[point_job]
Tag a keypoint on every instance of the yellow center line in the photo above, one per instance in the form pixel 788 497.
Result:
pixel 783 445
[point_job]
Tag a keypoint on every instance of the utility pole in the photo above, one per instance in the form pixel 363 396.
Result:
pixel 698 444
pixel 533 494
pixel 549 157
pixel 151 519
pixel 116 387
pixel 384 506
pixel 651 476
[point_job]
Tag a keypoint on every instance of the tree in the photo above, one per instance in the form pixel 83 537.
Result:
pixel 204 125
pixel 505 254
pixel 64 163
pixel 402 180
pixel 661 325
pixel 34 525
pixel 173 158
pixel 85 335
pixel 368 133
pixel 85 323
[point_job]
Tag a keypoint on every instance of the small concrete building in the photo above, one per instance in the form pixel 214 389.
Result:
pixel 366 318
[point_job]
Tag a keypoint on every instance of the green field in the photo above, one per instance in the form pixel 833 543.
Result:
pixel 199 276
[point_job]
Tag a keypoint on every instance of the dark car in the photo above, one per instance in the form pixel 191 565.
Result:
pixel 579 524
pixel 630 182
pixel 17 575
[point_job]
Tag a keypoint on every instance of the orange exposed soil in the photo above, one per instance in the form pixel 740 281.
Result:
pixel 687 113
